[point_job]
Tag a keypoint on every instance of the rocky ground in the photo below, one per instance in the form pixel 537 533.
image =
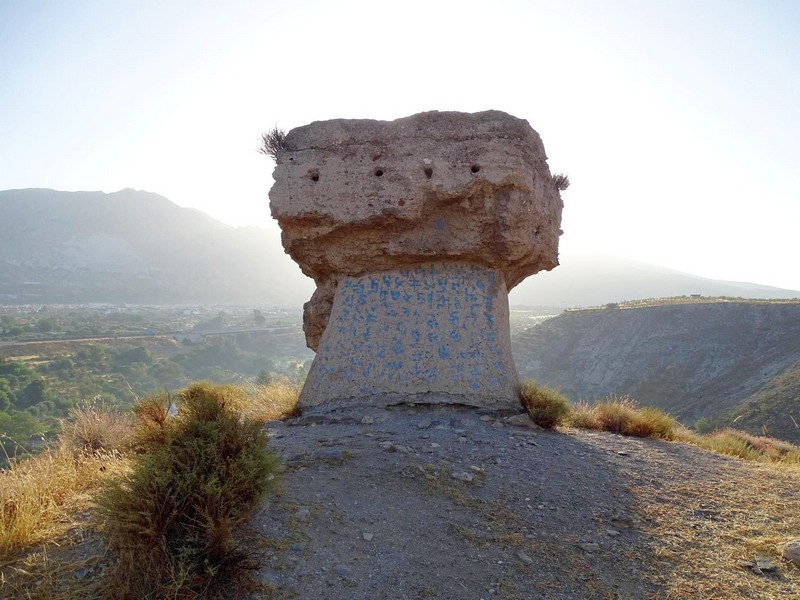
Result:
pixel 446 502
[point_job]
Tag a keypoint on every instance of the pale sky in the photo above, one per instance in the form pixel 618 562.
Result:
pixel 677 121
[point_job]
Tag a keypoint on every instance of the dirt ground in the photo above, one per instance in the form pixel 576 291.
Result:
pixel 446 502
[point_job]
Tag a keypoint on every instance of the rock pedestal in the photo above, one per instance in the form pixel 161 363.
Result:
pixel 414 231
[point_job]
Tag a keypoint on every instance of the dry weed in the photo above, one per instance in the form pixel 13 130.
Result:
pixel 583 416
pixel 743 445
pixel 701 532
pixel 94 427
pixel 268 402
pixel 546 406
pixel 40 496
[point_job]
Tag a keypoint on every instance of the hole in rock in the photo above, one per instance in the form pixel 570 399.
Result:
pixel 314 175
pixel 475 168
pixel 401 202
pixel 428 172
pixel 378 172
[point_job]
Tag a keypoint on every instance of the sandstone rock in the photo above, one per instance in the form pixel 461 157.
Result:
pixel 791 552
pixel 414 230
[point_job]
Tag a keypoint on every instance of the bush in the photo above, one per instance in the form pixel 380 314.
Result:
pixel 196 477
pixel 546 406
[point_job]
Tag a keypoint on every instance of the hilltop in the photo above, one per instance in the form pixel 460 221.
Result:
pixel 722 360
pixel 454 502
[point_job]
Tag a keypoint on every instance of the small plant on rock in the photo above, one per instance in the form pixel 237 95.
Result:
pixel 561 180
pixel 546 406
pixel 272 142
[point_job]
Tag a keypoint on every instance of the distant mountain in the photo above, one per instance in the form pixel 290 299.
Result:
pixel 598 280
pixel 730 362
pixel 133 246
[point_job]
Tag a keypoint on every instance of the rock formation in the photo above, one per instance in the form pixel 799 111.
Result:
pixel 414 231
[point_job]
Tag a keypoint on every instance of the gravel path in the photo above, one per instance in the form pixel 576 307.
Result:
pixel 447 502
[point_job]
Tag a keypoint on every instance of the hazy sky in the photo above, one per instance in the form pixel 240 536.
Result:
pixel 677 121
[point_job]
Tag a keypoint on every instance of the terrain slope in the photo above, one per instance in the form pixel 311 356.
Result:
pixel 726 361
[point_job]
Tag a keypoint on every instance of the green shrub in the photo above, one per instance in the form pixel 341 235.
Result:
pixel 546 406
pixel 196 477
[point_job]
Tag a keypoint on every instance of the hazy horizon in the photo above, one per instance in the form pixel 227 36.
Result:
pixel 676 122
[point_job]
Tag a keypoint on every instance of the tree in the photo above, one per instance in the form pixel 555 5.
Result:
pixel 34 393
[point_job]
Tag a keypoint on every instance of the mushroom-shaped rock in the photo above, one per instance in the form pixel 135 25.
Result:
pixel 414 231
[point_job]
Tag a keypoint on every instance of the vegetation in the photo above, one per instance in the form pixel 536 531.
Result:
pixel 182 483
pixel 46 373
pixel 272 142
pixel 194 479
pixel 174 489
pixel 546 406
pixel 621 415
pixel 561 180
pixel 743 445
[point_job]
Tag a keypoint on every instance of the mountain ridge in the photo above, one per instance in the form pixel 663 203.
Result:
pixel 134 246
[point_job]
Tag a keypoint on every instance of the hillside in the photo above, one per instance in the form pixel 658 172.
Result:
pixel 587 281
pixel 719 360
pixel 136 247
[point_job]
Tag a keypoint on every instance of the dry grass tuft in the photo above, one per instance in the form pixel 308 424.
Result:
pixel 96 427
pixel 546 406
pixel 743 445
pixel 271 401
pixel 615 413
pixel 40 496
pixel 621 414
pixel 582 416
